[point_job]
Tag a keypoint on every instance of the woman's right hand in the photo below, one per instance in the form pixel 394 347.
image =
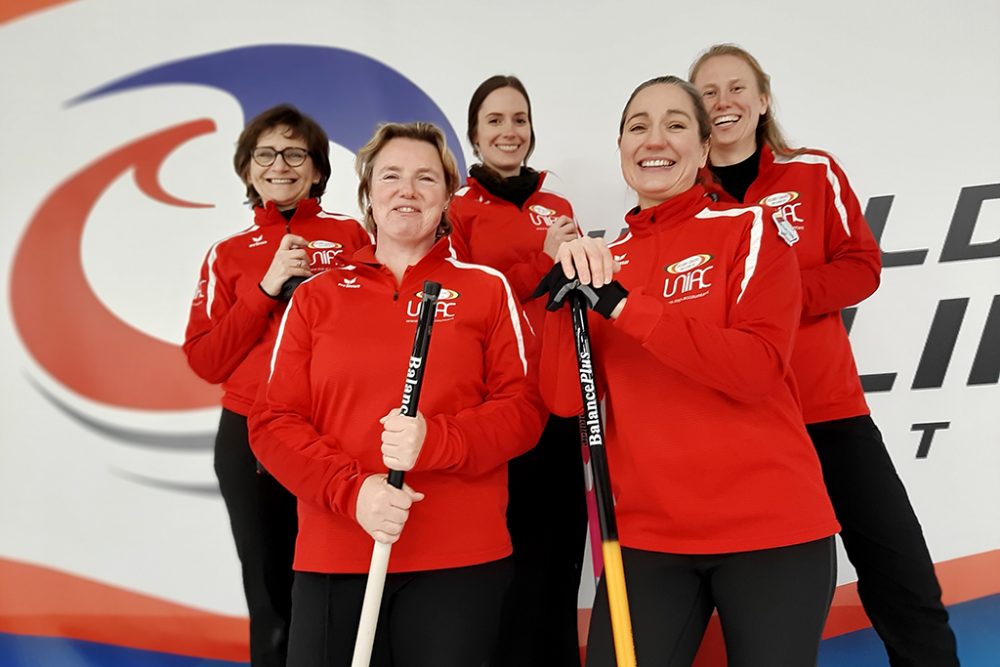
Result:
pixel 382 509
pixel 289 260
pixel 590 259
pixel 559 232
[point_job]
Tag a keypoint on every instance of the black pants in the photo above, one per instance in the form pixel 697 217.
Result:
pixel 547 520
pixel 264 522
pixel 883 540
pixel 434 618
pixel 772 605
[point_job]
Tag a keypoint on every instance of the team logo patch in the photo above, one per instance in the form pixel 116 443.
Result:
pixel 542 217
pixel 688 279
pixel 444 309
pixel 778 199
pixel 541 210
pixel 323 254
pixel 324 245
pixel 685 265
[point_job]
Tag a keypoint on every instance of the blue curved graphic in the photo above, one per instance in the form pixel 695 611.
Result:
pixel 346 92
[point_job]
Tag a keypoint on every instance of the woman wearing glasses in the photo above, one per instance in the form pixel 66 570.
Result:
pixel 283 158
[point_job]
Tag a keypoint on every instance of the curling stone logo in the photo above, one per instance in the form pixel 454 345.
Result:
pixel 444 309
pixel 322 254
pixel 542 216
pixel 688 278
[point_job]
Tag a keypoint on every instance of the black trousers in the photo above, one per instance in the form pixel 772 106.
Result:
pixel 772 605
pixel 264 521
pixel 547 520
pixel 434 618
pixel 883 540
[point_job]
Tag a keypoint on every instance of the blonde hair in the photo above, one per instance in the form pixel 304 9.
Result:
pixel 768 130
pixel 364 163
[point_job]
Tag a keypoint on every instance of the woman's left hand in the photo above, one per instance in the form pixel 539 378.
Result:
pixel 589 259
pixel 562 230
pixel 402 438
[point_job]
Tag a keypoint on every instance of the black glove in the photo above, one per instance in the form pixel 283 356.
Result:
pixel 556 285
pixel 601 300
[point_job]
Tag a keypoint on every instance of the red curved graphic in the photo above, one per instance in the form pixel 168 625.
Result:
pixel 61 321
pixel 12 9
pixel 39 601
pixel 42 602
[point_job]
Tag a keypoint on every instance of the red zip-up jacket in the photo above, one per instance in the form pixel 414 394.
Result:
pixel 840 263
pixel 233 323
pixel 490 230
pixel 705 441
pixel 339 365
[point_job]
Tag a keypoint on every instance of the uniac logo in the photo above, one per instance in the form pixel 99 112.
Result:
pixel 323 253
pixel 786 208
pixel 688 278
pixel 444 309
pixel 778 199
pixel 542 216
pixel 114 363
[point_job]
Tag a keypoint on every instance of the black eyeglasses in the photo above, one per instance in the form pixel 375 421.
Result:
pixel 293 157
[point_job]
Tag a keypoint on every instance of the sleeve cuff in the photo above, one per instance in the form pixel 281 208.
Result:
pixel 640 315
pixel 258 301
pixel 432 454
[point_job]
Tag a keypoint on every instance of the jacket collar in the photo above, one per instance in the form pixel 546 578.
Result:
pixel 673 211
pixel 485 194
pixel 268 214
pixel 435 257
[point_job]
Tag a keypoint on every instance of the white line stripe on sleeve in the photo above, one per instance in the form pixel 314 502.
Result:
pixel 831 177
pixel 212 279
pixel 512 305
pixel 277 339
pixel 756 233
pixel 621 240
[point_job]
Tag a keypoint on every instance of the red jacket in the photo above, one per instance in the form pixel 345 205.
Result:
pixel 705 441
pixel 233 322
pixel 840 264
pixel 489 230
pixel 338 366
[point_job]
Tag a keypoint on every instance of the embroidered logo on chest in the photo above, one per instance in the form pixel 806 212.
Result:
pixel 688 278
pixel 787 205
pixel 542 216
pixel 256 241
pixel 444 309
pixel 322 254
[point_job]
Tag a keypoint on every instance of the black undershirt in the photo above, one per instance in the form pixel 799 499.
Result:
pixel 737 178
pixel 515 189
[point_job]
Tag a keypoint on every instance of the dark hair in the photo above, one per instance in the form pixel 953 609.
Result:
pixel 701 115
pixel 482 92
pixel 768 130
pixel 364 163
pixel 300 126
